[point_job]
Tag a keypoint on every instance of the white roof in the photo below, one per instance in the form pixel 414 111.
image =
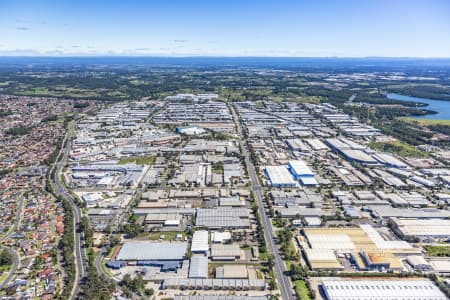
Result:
pixel 320 255
pixel 300 168
pixel 309 181
pixel 424 227
pixel 416 260
pixel 382 290
pixel 279 175
pixel 313 221
pixel 382 243
pixel 330 241
pixel 200 241
pixel 220 237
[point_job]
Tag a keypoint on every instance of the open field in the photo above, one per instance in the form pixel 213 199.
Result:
pixel 426 122
pixel 398 148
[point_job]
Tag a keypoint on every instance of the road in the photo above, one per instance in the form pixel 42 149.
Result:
pixel 59 189
pixel 15 266
pixel 284 284
pixel 16 258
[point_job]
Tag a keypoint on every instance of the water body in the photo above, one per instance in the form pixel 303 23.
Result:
pixel 442 107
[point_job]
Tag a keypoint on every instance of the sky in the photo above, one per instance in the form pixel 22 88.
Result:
pixel 297 28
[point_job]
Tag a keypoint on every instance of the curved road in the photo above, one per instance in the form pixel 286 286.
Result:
pixel 59 189
pixel 284 284
pixel 16 257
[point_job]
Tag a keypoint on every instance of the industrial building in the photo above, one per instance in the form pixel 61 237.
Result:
pixel 219 297
pixel 424 229
pixel 222 217
pixel 200 242
pixel 365 246
pixel 381 290
pixel 226 252
pixel 279 176
pixel 214 284
pixel 198 267
pixel 302 172
pixel 152 251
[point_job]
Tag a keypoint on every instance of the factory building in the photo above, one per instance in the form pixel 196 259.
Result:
pixel 279 176
pixel 381 289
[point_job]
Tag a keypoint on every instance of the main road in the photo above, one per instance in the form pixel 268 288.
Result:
pixel 60 190
pixel 284 284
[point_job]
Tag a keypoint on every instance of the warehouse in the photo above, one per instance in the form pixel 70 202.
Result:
pixel 297 145
pixel 222 217
pixel 218 297
pixel 358 156
pixel 220 237
pixel 316 144
pixel 418 262
pixel 381 289
pixel 152 251
pixel 322 259
pixel 200 242
pixel 216 284
pixel 390 161
pixel 437 229
pixel 299 169
pixel 198 267
pixel 226 252
pixel 279 176
pixel 386 211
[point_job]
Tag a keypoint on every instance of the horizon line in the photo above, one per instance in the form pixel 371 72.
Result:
pixel 217 56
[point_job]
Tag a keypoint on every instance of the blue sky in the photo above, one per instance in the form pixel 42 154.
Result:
pixel 347 28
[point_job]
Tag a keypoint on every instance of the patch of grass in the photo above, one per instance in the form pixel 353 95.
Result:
pixel 145 160
pixel 426 122
pixel 301 290
pixel 399 148
pixel 441 251
pixel 168 236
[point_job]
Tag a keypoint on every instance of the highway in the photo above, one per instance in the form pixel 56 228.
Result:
pixel 284 284
pixel 59 189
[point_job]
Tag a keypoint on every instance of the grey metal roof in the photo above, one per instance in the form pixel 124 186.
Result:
pixel 198 267
pixel 152 251
pixel 222 217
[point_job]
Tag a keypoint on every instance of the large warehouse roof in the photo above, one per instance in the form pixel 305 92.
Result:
pixel 226 250
pixel 424 227
pixel 381 290
pixel 218 297
pixel 331 241
pixel 198 267
pixel 279 176
pixel 200 241
pixel 152 251
pixel 300 168
pixel 222 217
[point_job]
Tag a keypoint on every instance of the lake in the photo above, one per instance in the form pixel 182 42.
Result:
pixel 442 107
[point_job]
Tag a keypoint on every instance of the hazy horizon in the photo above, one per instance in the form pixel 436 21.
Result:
pixel 381 28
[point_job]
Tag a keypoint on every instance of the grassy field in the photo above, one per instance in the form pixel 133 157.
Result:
pixel 301 290
pixel 438 250
pixel 399 148
pixel 146 160
pixel 168 236
pixel 426 122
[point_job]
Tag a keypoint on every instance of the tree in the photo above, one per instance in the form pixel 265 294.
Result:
pixel 6 258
